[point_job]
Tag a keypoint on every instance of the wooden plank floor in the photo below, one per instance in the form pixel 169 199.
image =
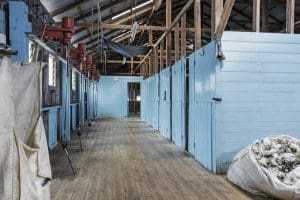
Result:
pixel 129 160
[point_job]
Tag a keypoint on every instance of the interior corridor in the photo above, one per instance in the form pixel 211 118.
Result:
pixel 130 160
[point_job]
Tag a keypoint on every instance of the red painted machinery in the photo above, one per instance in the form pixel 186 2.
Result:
pixel 87 65
pixel 95 73
pixel 78 55
pixel 61 34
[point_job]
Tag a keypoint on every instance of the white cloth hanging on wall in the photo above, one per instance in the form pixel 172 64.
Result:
pixel 24 156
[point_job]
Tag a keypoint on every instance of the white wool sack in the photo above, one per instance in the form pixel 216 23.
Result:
pixel 269 166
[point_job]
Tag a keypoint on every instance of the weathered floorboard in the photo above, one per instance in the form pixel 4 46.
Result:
pixel 130 160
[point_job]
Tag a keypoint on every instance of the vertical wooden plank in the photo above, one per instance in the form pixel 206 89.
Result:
pixel 161 55
pixel 150 34
pixel 197 23
pixel 216 12
pixel 224 18
pixel 264 16
pixel 146 69
pixel 256 16
pixel 131 66
pixel 169 35
pixel 183 36
pixel 290 16
pixel 176 42
pixel 155 61
pixel 142 68
pixel 149 67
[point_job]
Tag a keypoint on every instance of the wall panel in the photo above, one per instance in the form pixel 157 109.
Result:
pixel 113 96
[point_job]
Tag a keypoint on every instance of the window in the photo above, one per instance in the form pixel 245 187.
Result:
pixel 52 70
pixel 74 78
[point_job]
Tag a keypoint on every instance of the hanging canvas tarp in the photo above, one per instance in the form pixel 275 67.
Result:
pixel 126 50
pixel 24 158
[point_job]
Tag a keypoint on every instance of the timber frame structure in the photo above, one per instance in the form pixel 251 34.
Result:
pixel 172 29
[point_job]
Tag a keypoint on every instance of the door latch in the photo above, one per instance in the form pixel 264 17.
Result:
pixel 217 99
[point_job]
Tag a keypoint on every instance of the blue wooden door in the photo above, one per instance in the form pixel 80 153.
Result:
pixel 178 103
pixel 202 77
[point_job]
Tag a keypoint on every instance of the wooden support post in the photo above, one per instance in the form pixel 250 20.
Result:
pixel 264 16
pixel 197 23
pixel 169 35
pixel 161 61
pixel 131 66
pixel 290 16
pixel 146 69
pixel 149 66
pixel 256 16
pixel 183 36
pixel 143 68
pixel 224 19
pixel 216 12
pixel 150 33
pixel 176 42
pixel 155 60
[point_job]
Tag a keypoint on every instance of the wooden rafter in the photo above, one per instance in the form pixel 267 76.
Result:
pixel 117 26
pixel 123 20
pixel 90 12
pixel 67 7
pixel 177 18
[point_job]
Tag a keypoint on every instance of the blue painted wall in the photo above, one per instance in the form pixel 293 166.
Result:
pixel 2 22
pixel 178 102
pixel 18 26
pixel 113 96
pixel 165 103
pixel 259 83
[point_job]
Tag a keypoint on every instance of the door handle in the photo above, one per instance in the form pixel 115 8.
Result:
pixel 217 99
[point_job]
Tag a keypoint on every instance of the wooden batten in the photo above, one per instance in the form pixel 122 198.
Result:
pixel 176 41
pixel 264 16
pixel 169 35
pixel 161 62
pixel 197 24
pixel 216 13
pixel 256 16
pixel 290 16
pixel 183 35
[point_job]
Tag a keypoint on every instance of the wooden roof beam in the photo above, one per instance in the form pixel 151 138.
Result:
pixel 104 7
pixel 141 12
pixel 67 7
pixel 174 22
pixel 127 27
